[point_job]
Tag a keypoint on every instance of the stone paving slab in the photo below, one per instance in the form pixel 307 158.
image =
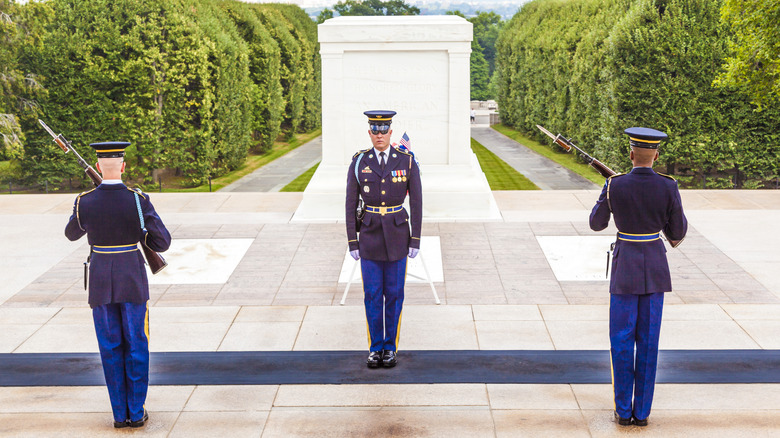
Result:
pixel 302 411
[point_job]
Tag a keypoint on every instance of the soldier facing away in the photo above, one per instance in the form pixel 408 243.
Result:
pixel 383 175
pixel 110 216
pixel 644 204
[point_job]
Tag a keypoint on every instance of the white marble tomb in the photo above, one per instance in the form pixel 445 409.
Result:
pixel 417 66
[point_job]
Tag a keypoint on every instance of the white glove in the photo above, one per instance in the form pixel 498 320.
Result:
pixel 413 252
pixel 355 254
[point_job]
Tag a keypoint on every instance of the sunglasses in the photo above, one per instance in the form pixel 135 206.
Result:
pixel 379 129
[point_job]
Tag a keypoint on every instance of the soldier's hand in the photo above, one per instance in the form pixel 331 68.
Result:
pixel 413 252
pixel 355 254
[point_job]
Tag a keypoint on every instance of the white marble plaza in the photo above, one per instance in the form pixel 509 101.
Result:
pixel 502 289
pixel 187 258
pixel 577 258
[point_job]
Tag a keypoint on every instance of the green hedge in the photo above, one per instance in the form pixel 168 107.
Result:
pixel 591 68
pixel 193 84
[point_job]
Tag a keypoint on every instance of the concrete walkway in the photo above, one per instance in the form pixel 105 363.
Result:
pixel 546 174
pixel 500 291
pixel 275 175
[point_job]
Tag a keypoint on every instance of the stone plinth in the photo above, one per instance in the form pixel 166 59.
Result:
pixel 419 67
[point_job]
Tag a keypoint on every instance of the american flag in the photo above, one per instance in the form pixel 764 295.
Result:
pixel 405 141
pixel 404 146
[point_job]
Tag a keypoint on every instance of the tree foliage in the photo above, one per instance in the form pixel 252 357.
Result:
pixel 621 63
pixel 487 26
pixel 193 84
pixel 754 61
pixel 375 7
pixel 19 88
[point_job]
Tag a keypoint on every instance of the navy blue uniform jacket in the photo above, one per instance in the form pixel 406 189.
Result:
pixel 384 238
pixel 643 202
pixel 108 215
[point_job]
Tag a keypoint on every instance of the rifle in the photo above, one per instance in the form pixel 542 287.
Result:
pixel 155 261
pixel 605 171
pixel 566 144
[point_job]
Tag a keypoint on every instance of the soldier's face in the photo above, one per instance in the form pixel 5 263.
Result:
pixel 379 140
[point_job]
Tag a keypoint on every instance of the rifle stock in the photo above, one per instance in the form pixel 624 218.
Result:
pixel 605 171
pixel 155 261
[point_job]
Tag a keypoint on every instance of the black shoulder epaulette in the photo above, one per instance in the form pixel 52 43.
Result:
pixel 140 193
pixel 360 152
pixel 667 176
pixel 88 191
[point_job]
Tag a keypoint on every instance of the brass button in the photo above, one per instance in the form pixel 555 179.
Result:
pixel 383 203
pixel 383 180
pixel 383 192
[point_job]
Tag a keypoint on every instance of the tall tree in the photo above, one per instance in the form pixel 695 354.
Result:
pixel 19 87
pixel 755 59
pixel 375 7
pixel 487 26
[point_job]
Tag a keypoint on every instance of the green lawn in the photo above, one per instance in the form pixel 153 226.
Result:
pixel 299 184
pixel 253 162
pixel 567 160
pixel 500 175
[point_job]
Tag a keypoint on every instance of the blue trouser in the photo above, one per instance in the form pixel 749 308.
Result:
pixel 634 319
pixel 123 338
pixel 383 288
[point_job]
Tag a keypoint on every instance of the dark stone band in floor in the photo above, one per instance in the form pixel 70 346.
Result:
pixel 418 366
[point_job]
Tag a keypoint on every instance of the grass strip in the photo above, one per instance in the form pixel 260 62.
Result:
pixel 252 163
pixel 500 175
pixel 567 160
pixel 299 184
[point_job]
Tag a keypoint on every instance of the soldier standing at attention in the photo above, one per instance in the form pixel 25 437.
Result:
pixel 644 204
pixel 118 287
pixel 383 175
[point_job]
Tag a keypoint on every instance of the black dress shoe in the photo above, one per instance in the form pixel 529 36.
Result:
pixel 141 422
pixel 622 421
pixel 640 423
pixel 120 424
pixel 389 359
pixel 374 359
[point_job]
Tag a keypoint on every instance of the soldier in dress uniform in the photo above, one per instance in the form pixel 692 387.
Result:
pixel 644 204
pixel 383 175
pixel 118 288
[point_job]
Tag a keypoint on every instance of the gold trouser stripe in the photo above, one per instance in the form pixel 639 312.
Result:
pixel 398 327
pixel 398 330
pixel 612 375
pixel 146 322
pixel 368 329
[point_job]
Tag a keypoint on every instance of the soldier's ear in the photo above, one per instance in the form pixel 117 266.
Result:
pixel 122 169
pixel 97 166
